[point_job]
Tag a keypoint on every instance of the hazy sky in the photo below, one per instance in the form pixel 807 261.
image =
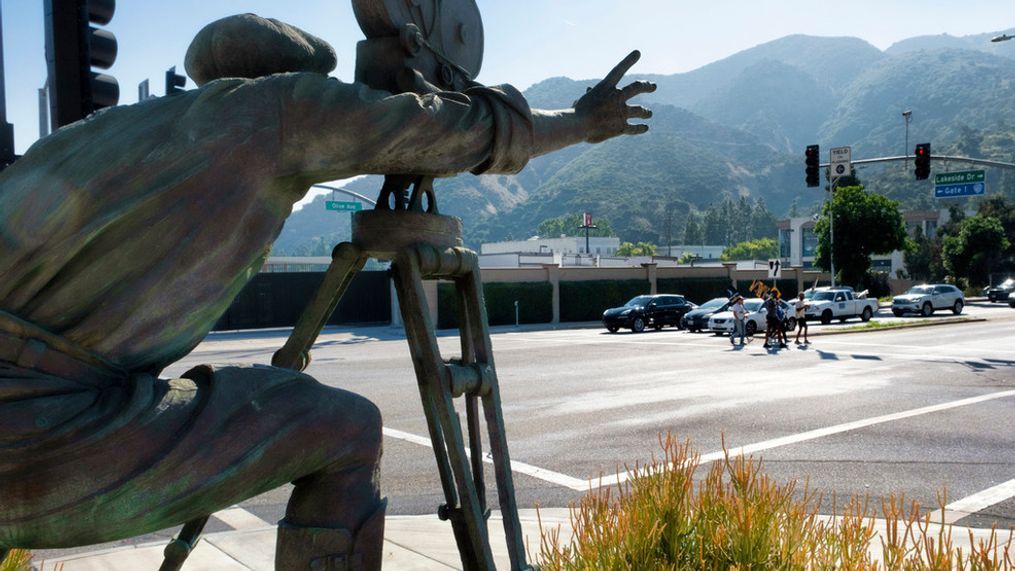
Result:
pixel 526 40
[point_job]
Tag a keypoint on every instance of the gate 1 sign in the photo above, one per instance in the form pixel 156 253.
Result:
pixel 958 184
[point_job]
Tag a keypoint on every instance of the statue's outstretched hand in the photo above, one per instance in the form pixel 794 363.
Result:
pixel 604 109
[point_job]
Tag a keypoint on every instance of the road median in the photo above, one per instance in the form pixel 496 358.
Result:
pixel 891 326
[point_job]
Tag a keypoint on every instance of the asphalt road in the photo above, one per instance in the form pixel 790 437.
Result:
pixel 909 411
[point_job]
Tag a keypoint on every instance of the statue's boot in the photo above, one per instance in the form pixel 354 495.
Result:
pixel 331 549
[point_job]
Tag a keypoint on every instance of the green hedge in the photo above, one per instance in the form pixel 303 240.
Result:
pixel 586 301
pixel 535 303
pixel 697 290
pixel 787 287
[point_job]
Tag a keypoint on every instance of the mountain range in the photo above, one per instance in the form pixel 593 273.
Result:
pixel 739 126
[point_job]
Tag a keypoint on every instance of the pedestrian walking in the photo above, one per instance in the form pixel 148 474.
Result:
pixel 739 319
pixel 800 308
pixel 772 322
pixel 780 315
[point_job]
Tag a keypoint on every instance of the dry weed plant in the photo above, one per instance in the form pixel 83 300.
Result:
pixel 738 518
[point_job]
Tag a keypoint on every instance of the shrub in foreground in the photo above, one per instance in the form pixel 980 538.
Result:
pixel 739 518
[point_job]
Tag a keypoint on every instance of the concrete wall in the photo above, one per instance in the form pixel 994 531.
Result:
pixel 651 273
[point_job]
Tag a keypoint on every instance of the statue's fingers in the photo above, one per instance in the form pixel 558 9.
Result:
pixel 638 112
pixel 635 129
pixel 637 88
pixel 614 77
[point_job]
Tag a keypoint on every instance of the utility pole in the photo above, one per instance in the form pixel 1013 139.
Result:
pixel 669 232
pixel 43 111
pixel 6 129
pixel 907 115
pixel 587 225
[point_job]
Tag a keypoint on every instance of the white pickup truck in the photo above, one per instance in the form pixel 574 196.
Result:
pixel 827 304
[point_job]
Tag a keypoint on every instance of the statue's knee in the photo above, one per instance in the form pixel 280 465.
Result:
pixel 352 423
pixel 371 436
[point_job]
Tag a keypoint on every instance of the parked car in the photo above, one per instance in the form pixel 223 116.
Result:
pixel 1002 291
pixel 644 311
pixel 925 299
pixel 697 319
pixel 840 303
pixel 722 323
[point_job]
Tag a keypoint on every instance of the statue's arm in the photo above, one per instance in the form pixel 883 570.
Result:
pixel 601 114
pixel 332 130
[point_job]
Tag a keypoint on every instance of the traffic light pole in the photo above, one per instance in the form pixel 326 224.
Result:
pixel 831 226
pixel 6 129
pixel 984 162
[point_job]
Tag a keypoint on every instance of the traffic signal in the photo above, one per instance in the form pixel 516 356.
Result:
pixel 73 48
pixel 174 82
pixel 812 158
pixel 922 161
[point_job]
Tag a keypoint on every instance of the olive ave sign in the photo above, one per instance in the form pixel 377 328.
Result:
pixel 960 183
pixel 340 206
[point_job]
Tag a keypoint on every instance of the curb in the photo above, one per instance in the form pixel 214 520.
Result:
pixel 902 326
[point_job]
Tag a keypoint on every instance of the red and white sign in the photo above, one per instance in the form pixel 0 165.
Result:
pixel 587 220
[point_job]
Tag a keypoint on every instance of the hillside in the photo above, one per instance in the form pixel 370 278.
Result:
pixel 738 127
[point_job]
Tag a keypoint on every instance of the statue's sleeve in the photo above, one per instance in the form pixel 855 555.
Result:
pixel 334 130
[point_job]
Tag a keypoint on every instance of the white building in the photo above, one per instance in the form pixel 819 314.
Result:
pixel 797 240
pixel 563 251
pixel 564 245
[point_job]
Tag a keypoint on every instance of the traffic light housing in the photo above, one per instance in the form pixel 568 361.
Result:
pixel 73 48
pixel 174 82
pixel 812 158
pixel 922 161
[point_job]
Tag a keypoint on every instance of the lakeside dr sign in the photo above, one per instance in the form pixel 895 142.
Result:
pixel 961 183
pixel 339 206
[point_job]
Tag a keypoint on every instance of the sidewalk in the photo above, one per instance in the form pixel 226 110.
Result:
pixel 411 543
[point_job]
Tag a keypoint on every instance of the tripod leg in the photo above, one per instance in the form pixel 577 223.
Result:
pixel 346 260
pixel 470 287
pixel 434 381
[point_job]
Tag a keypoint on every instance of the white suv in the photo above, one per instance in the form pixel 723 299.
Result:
pixel 924 299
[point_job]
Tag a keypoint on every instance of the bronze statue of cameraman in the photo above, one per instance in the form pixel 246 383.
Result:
pixel 124 237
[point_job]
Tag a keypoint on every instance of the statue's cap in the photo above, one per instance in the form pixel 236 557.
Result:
pixel 247 45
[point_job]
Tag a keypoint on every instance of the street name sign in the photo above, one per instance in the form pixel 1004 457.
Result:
pixel 959 184
pixel 840 160
pixel 340 206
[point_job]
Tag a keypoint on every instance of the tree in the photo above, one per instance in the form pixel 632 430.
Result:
pixel 760 249
pixel 865 224
pixel 693 233
pixel 763 222
pixel 568 225
pixel 923 258
pixel 687 258
pixel 976 249
pixel 999 207
pixel 639 249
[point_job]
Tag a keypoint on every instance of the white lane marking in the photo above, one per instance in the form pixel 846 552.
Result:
pixel 813 349
pixel 240 519
pixel 520 467
pixel 923 348
pixel 818 433
pixel 979 501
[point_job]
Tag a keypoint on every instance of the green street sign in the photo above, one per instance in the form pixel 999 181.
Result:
pixel 959 177
pixel 339 206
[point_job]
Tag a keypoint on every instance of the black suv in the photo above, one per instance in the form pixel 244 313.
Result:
pixel 1002 291
pixel 644 311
